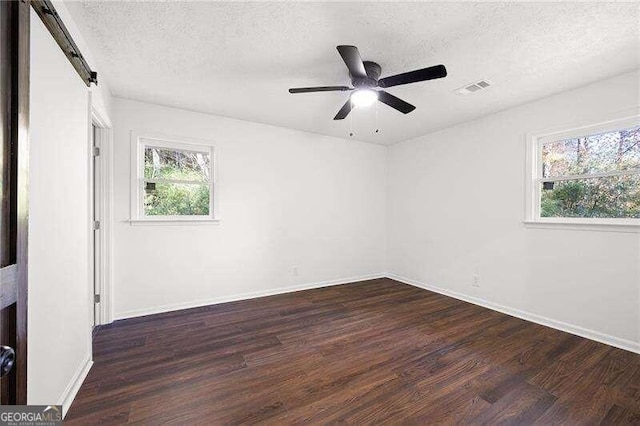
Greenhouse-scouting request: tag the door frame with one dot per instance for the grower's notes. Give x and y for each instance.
(101, 209)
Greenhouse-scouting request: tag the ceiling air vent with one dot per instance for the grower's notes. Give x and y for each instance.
(474, 87)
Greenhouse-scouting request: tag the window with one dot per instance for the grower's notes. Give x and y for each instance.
(174, 180)
(589, 175)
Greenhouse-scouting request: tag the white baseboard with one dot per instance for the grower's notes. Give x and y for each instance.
(538, 319)
(243, 296)
(74, 385)
(548, 322)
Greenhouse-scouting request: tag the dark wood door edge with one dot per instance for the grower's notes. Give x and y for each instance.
(14, 118)
(21, 137)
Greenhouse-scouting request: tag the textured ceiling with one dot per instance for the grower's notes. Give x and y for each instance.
(238, 59)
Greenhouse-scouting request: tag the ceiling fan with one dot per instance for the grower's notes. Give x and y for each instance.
(365, 78)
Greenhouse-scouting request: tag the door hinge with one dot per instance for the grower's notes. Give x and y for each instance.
(96, 298)
(96, 225)
(96, 151)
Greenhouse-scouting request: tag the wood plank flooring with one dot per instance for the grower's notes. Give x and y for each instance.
(374, 352)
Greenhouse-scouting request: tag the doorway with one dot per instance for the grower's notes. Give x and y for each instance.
(99, 221)
(95, 266)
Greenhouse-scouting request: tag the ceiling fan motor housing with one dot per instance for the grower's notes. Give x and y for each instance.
(373, 74)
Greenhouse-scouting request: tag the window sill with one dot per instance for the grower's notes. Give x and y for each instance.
(585, 226)
(173, 222)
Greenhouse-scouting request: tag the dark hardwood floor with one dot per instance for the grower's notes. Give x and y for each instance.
(371, 352)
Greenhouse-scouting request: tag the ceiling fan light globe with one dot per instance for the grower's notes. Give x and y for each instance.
(364, 97)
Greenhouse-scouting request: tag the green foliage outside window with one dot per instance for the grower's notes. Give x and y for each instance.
(176, 182)
(609, 196)
(177, 200)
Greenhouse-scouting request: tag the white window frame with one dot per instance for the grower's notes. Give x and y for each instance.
(139, 141)
(534, 178)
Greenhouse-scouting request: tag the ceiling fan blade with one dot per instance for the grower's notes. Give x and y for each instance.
(320, 89)
(352, 59)
(395, 103)
(438, 71)
(344, 111)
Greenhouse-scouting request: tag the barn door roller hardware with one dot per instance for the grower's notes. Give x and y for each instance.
(49, 16)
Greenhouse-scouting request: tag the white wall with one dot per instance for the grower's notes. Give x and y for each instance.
(456, 208)
(59, 322)
(286, 198)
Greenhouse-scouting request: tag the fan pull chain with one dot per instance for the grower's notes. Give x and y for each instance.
(377, 127)
(351, 120)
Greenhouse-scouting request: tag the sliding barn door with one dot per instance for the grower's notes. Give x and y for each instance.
(14, 117)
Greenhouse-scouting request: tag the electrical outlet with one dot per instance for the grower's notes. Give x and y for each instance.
(475, 280)
(294, 271)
